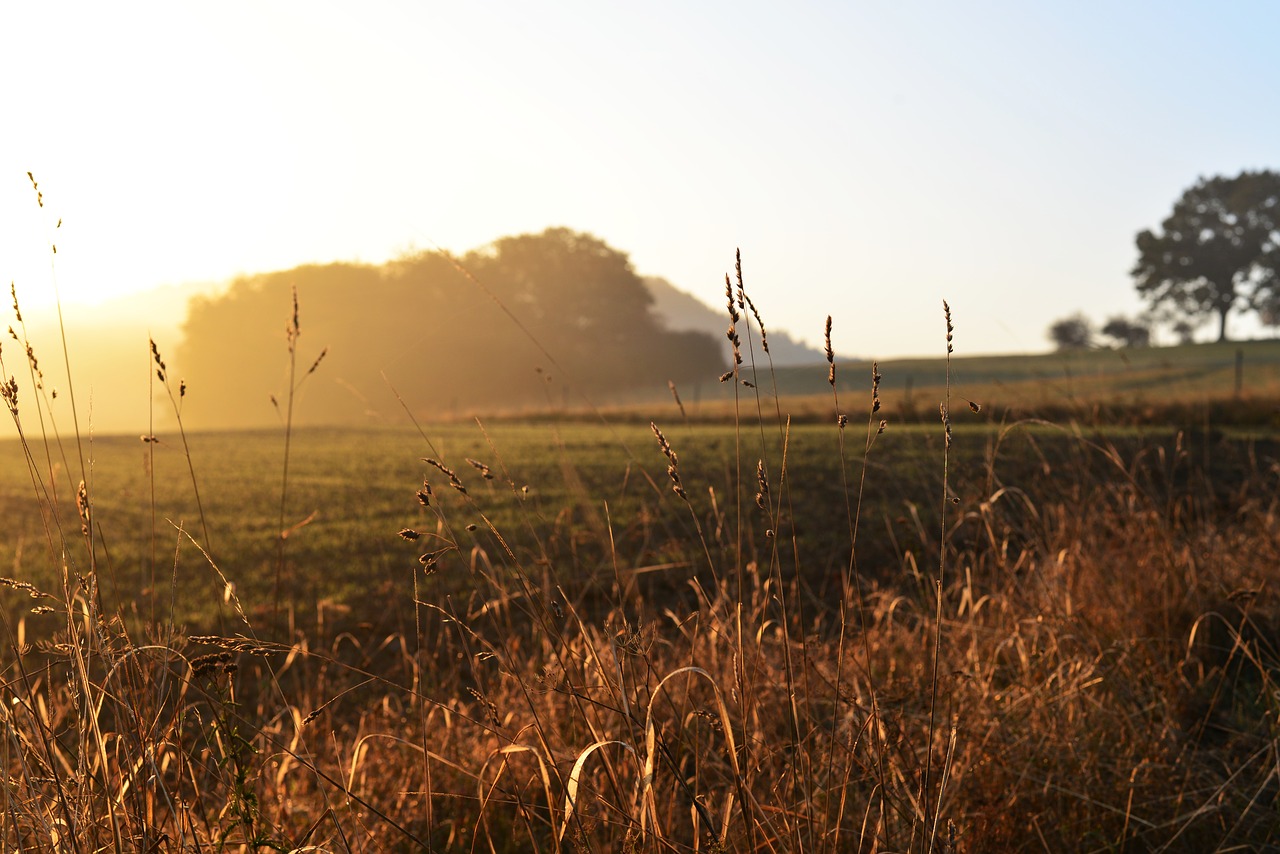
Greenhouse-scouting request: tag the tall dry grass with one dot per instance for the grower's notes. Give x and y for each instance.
(1071, 647)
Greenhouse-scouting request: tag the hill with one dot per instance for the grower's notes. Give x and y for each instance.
(681, 311)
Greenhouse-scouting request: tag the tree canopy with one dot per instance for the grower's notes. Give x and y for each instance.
(1071, 333)
(1127, 333)
(523, 322)
(1217, 252)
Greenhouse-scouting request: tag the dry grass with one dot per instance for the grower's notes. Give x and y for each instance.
(1079, 656)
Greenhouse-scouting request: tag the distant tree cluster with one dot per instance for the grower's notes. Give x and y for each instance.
(511, 325)
(1127, 333)
(1077, 332)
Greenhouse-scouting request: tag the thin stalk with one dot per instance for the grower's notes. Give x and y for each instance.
(945, 412)
(774, 511)
(292, 332)
(852, 581)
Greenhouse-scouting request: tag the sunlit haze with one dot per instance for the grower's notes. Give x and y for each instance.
(870, 159)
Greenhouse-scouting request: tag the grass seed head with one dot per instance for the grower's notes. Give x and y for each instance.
(764, 335)
(447, 472)
(762, 480)
(29, 589)
(317, 362)
(213, 663)
(875, 387)
(676, 395)
(430, 559)
(673, 469)
(831, 354)
(734, 317)
(36, 187)
(490, 706)
(294, 329)
(161, 370)
(82, 507)
(484, 470)
(9, 391)
(732, 335)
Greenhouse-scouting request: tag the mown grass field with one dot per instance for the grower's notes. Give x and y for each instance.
(990, 635)
(555, 491)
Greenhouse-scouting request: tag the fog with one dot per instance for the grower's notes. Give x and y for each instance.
(112, 377)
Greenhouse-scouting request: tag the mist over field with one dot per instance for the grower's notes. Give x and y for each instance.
(450, 337)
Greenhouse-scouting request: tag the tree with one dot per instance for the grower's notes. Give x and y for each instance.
(1186, 331)
(1219, 249)
(1127, 333)
(526, 321)
(1072, 333)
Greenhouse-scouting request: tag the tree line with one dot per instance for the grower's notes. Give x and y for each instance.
(527, 321)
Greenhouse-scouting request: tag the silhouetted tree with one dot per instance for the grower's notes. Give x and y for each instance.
(1127, 333)
(1219, 249)
(1072, 333)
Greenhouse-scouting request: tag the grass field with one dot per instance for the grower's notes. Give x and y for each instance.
(977, 634)
(1147, 386)
(556, 491)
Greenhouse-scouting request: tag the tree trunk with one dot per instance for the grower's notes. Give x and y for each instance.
(1222, 324)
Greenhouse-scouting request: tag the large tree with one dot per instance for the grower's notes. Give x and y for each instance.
(1219, 250)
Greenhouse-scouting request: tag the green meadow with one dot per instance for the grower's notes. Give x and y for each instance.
(551, 491)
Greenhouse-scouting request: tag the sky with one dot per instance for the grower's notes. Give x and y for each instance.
(870, 159)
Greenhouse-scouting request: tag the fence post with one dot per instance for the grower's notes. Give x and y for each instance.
(1239, 371)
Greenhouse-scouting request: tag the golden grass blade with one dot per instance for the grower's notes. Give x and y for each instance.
(650, 742)
(575, 777)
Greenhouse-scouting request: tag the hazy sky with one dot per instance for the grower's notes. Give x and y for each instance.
(869, 158)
